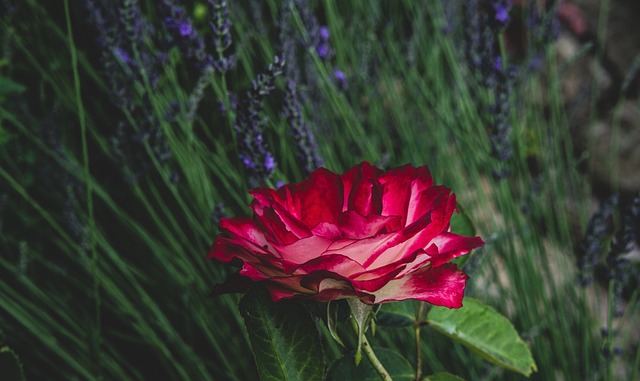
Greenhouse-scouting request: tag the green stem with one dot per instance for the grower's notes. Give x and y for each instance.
(608, 342)
(377, 365)
(417, 327)
(371, 355)
(89, 189)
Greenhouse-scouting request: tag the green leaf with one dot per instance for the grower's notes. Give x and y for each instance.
(461, 224)
(361, 314)
(397, 314)
(443, 376)
(10, 366)
(397, 366)
(486, 332)
(286, 343)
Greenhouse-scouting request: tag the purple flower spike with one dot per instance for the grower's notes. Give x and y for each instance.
(269, 163)
(497, 64)
(185, 28)
(502, 15)
(323, 32)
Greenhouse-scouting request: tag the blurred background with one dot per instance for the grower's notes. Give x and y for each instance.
(129, 128)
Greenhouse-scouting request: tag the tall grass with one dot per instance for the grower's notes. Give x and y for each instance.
(102, 266)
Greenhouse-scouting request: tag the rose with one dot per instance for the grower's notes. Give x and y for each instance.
(368, 234)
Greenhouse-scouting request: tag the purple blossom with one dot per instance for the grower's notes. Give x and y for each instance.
(502, 14)
(122, 55)
(341, 78)
(182, 34)
(119, 30)
(306, 149)
(323, 33)
(249, 125)
(497, 64)
(220, 28)
(323, 50)
(269, 162)
(185, 28)
(501, 8)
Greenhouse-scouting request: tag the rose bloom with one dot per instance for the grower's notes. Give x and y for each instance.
(368, 234)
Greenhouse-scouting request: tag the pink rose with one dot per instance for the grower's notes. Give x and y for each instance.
(373, 235)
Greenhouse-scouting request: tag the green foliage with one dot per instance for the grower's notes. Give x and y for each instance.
(486, 332)
(9, 87)
(345, 368)
(284, 338)
(443, 376)
(397, 314)
(104, 272)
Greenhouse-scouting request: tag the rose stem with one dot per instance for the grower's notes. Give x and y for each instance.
(377, 365)
(417, 326)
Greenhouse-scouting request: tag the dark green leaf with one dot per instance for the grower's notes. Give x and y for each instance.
(7, 86)
(397, 314)
(443, 376)
(345, 369)
(486, 332)
(286, 344)
(10, 367)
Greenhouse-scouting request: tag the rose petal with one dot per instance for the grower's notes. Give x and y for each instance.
(317, 199)
(426, 201)
(318, 285)
(366, 192)
(355, 226)
(301, 251)
(257, 271)
(374, 284)
(418, 235)
(327, 230)
(442, 286)
(243, 227)
(334, 263)
(331, 288)
(351, 182)
(396, 185)
(447, 246)
(278, 230)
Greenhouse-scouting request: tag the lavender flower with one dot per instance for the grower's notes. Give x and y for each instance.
(190, 42)
(341, 79)
(501, 9)
(486, 65)
(130, 62)
(294, 47)
(220, 27)
(616, 262)
(591, 245)
(323, 49)
(249, 125)
(306, 149)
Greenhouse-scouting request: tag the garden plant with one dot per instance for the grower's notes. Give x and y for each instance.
(308, 190)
